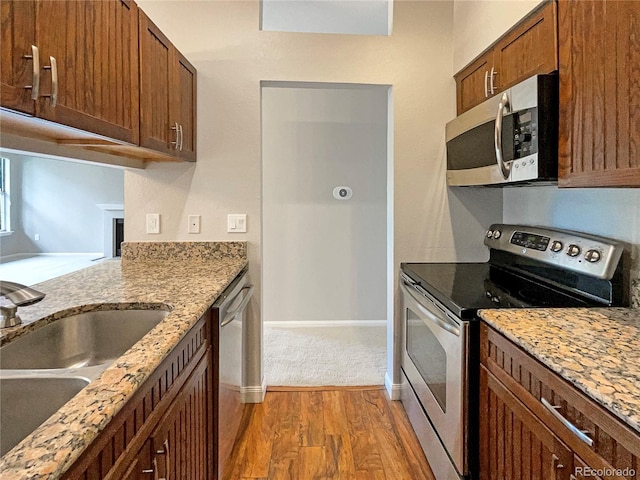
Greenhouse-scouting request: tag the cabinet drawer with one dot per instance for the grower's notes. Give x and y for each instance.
(615, 446)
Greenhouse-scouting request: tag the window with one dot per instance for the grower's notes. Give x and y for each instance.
(5, 225)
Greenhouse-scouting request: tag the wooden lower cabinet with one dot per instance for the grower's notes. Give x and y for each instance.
(514, 443)
(521, 438)
(183, 441)
(166, 429)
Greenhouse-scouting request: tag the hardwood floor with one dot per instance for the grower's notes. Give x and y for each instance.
(331, 434)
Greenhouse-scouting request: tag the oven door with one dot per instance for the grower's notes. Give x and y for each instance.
(435, 359)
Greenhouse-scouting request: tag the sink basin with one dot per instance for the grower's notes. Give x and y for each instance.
(83, 340)
(26, 402)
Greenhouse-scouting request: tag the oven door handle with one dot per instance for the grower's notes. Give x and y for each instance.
(443, 323)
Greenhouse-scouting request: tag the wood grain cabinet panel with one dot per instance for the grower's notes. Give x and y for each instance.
(88, 63)
(528, 48)
(514, 443)
(599, 133)
(95, 44)
(167, 95)
(615, 447)
(16, 62)
(184, 438)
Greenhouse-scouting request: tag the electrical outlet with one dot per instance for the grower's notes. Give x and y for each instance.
(153, 223)
(194, 224)
(36, 237)
(237, 223)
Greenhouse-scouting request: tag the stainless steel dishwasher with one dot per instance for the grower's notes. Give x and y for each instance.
(229, 315)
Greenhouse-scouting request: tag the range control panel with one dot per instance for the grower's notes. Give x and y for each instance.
(581, 252)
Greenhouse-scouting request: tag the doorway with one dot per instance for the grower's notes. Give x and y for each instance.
(326, 210)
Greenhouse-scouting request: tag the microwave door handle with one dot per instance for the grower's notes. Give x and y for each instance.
(445, 323)
(504, 104)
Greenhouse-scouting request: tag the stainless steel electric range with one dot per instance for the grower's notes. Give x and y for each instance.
(528, 267)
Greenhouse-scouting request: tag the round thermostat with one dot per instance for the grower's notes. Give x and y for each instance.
(342, 193)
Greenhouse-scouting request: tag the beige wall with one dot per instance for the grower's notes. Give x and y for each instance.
(478, 23)
(222, 40)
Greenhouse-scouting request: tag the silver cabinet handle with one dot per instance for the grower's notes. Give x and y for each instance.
(35, 76)
(231, 316)
(575, 430)
(181, 135)
(176, 128)
(486, 83)
(497, 137)
(492, 87)
(147, 470)
(555, 462)
(54, 80)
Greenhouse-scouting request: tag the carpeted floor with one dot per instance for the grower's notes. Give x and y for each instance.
(323, 356)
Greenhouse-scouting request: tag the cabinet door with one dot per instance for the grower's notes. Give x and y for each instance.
(183, 91)
(156, 60)
(95, 47)
(529, 49)
(473, 83)
(16, 68)
(141, 467)
(183, 442)
(599, 144)
(514, 444)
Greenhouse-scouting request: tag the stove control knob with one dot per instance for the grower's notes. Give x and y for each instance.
(573, 250)
(592, 256)
(497, 234)
(556, 246)
(489, 233)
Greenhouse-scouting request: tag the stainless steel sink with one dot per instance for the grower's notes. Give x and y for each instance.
(83, 340)
(26, 402)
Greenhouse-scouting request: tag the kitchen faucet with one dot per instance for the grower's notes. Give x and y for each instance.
(12, 296)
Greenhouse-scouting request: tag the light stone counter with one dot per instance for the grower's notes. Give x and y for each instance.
(597, 350)
(184, 278)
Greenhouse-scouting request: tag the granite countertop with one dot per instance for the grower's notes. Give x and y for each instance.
(184, 278)
(597, 350)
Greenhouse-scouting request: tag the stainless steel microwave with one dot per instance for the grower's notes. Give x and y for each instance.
(511, 138)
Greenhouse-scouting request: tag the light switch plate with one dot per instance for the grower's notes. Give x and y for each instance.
(237, 223)
(153, 223)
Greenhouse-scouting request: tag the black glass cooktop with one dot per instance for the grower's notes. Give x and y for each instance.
(464, 288)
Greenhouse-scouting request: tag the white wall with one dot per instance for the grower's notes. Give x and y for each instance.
(314, 138)
(58, 200)
(222, 39)
(479, 23)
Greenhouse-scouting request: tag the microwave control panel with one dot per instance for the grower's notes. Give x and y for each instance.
(525, 132)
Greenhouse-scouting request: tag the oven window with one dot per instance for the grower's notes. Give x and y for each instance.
(428, 356)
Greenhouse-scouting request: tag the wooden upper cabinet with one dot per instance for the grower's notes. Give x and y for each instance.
(167, 95)
(95, 46)
(599, 136)
(472, 83)
(529, 48)
(16, 62)
(86, 67)
(185, 105)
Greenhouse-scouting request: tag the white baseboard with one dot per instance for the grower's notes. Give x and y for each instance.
(393, 389)
(254, 394)
(326, 323)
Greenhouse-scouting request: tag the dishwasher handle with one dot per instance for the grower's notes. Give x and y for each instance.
(231, 316)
